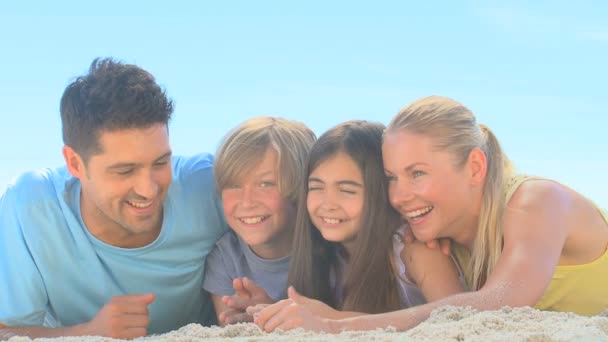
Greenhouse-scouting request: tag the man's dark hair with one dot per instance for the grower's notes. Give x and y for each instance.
(112, 96)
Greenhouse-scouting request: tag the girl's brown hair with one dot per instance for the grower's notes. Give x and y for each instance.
(369, 280)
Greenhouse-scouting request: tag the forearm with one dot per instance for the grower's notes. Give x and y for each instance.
(408, 318)
(37, 331)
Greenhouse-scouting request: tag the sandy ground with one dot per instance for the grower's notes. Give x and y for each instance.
(445, 324)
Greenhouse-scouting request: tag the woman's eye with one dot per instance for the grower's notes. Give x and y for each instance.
(417, 173)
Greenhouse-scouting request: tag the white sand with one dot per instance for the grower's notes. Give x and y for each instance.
(445, 324)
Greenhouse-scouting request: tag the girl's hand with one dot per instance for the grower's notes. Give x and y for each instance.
(295, 312)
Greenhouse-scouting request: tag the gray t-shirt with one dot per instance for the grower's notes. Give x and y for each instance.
(232, 258)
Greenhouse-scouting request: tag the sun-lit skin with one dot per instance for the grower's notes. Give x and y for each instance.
(429, 189)
(335, 199)
(124, 186)
(257, 212)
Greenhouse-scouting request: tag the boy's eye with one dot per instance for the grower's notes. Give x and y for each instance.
(267, 184)
(161, 163)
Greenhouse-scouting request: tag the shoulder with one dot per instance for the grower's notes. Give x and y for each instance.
(184, 166)
(37, 186)
(539, 195)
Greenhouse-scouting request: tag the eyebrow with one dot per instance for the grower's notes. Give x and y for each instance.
(342, 182)
(126, 165)
(413, 165)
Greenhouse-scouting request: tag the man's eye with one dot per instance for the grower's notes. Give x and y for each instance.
(125, 172)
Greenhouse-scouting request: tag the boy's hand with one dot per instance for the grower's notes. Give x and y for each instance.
(247, 293)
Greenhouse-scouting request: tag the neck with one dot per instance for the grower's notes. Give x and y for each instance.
(279, 246)
(465, 231)
(111, 232)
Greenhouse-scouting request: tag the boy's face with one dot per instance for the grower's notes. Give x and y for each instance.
(256, 211)
(124, 186)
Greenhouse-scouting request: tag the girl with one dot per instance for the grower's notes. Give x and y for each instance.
(348, 250)
(527, 241)
(257, 169)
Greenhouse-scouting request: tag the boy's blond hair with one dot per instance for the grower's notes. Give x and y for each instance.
(244, 146)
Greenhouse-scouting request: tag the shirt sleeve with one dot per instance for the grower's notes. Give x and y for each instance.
(23, 298)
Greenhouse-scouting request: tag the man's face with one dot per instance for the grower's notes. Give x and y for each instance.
(124, 186)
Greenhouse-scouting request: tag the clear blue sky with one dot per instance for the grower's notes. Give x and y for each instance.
(535, 73)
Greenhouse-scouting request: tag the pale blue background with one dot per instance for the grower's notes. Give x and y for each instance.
(536, 74)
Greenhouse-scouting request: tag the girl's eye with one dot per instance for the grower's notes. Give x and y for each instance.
(266, 184)
(313, 188)
(391, 178)
(350, 192)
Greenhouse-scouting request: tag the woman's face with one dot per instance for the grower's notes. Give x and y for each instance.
(426, 186)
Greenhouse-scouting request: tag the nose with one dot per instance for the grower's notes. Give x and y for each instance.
(146, 185)
(248, 196)
(329, 200)
(400, 192)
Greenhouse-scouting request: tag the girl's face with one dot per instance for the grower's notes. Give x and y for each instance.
(256, 211)
(426, 186)
(335, 198)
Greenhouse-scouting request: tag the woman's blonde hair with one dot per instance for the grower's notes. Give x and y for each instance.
(453, 128)
(244, 146)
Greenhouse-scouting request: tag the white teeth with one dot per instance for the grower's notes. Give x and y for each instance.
(331, 220)
(140, 205)
(416, 213)
(252, 220)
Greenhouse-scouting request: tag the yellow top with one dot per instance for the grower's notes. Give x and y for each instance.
(582, 289)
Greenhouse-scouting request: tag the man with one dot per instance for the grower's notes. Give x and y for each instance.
(113, 244)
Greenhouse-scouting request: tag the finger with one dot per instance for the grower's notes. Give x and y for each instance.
(267, 313)
(295, 296)
(283, 316)
(239, 289)
(132, 333)
(289, 325)
(408, 236)
(431, 244)
(239, 303)
(251, 286)
(136, 299)
(446, 246)
(222, 316)
(132, 321)
(256, 308)
(240, 317)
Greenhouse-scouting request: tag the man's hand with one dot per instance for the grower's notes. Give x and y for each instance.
(445, 244)
(123, 317)
(246, 293)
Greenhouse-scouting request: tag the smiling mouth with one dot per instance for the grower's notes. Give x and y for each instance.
(331, 220)
(415, 214)
(140, 205)
(253, 219)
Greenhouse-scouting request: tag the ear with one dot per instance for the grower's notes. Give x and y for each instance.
(74, 162)
(477, 166)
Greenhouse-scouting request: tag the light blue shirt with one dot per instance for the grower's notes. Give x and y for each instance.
(53, 272)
